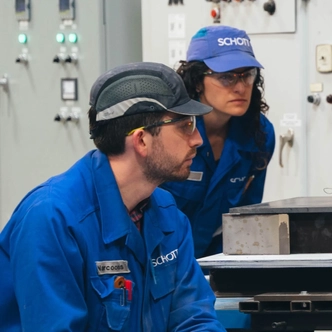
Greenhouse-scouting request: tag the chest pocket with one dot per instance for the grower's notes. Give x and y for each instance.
(235, 192)
(115, 301)
(164, 280)
(237, 183)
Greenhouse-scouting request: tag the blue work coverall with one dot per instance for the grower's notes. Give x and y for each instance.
(71, 237)
(214, 187)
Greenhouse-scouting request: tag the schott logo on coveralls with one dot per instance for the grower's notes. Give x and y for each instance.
(233, 180)
(233, 41)
(165, 258)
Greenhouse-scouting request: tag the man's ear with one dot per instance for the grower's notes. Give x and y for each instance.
(140, 139)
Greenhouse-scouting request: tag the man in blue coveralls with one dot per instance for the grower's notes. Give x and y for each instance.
(99, 247)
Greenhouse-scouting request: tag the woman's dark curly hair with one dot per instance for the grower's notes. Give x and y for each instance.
(193, 75)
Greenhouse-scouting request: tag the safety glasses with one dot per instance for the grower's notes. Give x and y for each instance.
(186, 124)
(231, 78)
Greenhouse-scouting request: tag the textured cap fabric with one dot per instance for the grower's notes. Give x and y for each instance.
(222, 48)
(142, 87)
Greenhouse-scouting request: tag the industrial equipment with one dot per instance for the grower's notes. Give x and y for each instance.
(275, 292)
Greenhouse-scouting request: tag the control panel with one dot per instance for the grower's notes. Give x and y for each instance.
(255, 16)
(52, 52)
(67, 57)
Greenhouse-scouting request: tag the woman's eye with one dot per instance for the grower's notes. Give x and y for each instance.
(227, 77)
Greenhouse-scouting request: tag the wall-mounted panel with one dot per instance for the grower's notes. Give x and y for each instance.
(43, 109)
(258, 16)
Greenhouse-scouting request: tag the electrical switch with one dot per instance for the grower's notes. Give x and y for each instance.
(62, 115)
(324, 58)
(59, 58)
(73, 116)
(22, 58)
(72, 58)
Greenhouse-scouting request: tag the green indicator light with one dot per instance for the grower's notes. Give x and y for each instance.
(22, 38)
(72, 37)
(60, 37)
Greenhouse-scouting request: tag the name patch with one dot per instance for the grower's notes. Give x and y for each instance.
(112, 267)
(195, 176)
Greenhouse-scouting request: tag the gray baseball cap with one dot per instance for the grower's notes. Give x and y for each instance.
(142, 87)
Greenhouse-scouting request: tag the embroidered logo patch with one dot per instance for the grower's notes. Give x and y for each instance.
(173, 255)
(112, 267)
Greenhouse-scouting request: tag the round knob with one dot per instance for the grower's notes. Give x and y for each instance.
(57, 118)
(314, 99)
(18, 60)
(310, 99)
(270, 7)
(68, 59)
(56, 59)
(329, 99)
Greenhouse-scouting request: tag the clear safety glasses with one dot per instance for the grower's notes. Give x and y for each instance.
(231, 78)
(186, 124)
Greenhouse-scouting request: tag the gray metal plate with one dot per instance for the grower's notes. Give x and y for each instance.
(290, 205)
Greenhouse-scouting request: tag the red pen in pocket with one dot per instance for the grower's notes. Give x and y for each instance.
(129, 287)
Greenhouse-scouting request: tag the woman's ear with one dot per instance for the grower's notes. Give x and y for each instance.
(199, 88)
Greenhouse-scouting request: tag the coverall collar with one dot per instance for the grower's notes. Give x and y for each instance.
(239, 139)
(112, 208)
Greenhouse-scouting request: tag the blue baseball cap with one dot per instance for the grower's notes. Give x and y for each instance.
(222, 48)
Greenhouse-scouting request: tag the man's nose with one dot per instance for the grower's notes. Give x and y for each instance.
(195, 139)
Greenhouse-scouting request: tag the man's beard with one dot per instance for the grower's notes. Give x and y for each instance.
(163, 167)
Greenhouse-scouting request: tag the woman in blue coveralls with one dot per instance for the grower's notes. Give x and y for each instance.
(238, 140)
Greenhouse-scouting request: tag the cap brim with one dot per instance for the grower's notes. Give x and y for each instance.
(191, 107)
(232, 60)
